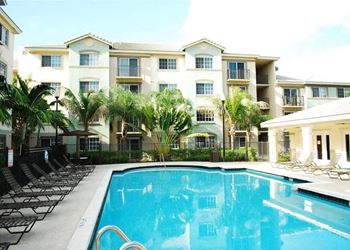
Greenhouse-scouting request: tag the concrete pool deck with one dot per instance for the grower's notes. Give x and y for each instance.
(70, 223)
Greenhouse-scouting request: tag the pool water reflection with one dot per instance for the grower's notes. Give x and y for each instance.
(189, 208)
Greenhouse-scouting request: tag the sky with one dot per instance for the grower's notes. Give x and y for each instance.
(311, 38)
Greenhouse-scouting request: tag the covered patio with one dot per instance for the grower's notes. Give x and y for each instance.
(323, 131)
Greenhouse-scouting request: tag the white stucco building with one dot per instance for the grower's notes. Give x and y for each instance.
(202, 70)
(322, 131)
(8, 30)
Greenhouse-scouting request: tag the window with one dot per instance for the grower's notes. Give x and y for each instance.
(204, 88)
(240, 141)
(207, 202)
(207, 229)
(4, 35)
(231, 88)
(49, 141)
(205, 115)
(135, 88)
(204, 142)
(2, 141)
(167, 63)
(175, 144)
(288, 112)
(55, 85)
(320, 92)
(291, 96)
(51, 61)
(347, 146)
(89, 58)
(92, 144)
(236, 70)
(86, 86)
(3, 69)
(343, 92)
(204, 62)
(129, 67)
(169, 86)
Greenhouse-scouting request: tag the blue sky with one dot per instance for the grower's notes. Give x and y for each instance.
(55, 21)
(312, 38)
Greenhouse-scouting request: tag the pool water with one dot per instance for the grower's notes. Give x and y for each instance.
(195, 208)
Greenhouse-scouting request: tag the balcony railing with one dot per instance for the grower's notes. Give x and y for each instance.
(264, 99)
(264, 102)
(262, 79)
(293, 101)
(240, 74)
(129, 71)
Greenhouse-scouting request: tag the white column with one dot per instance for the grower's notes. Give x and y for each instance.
(306, 135)
(273, 154)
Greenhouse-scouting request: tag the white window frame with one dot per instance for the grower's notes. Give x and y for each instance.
(208, 142)
(127, 86)
(344, 90)
(206, 64)
(4, 35)
(205, 115)
(55, 61)
(91, 85)
(319, 92)
(92, 145)
(93, 58)
(170, 86)
(208, 88)
(55, 85)
(170, 64)
(3, 69)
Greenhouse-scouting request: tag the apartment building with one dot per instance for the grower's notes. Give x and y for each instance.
(202, 70)
(8, 30)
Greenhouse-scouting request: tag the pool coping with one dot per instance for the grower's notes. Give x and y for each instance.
(82, 236)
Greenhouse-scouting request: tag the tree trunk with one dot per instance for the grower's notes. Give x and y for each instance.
(247, 144)
(38, 137)
(23, 137)
(232, 135)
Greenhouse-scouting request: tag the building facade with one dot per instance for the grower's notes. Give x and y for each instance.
(201, 70)
(8, 30)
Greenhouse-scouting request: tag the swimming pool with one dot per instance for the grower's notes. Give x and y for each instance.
(194, 208)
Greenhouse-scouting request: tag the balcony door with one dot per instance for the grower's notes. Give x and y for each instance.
(291, 96)
(322, 141)
(128, 67)
(236, 70)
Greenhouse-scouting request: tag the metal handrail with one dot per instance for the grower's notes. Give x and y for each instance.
(121, 234)
(133, 244)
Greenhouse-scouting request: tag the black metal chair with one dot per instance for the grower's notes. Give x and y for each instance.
(21, 192)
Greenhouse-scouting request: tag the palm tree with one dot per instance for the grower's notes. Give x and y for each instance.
(86, 107)
(122, 106)
(27, 109)
(168, 115)
(6, 101)
(234, 110)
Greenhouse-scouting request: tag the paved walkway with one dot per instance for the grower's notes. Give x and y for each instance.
(55, 231)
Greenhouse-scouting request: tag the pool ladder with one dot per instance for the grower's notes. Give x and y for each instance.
(128, 243)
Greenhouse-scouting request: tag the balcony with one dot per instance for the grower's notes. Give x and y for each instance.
(262, 79)
(131, 130)
(293, 101)
(129, 74)
(264, 103)
(240, 75)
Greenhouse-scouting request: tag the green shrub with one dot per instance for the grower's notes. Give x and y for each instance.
(238, 154)
(283, 157)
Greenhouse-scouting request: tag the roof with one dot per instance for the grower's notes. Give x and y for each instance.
(144, 46)
(203, 40)
(10, 22)
(3, 2)
(88, 35)
(338, 110)
(286, 78)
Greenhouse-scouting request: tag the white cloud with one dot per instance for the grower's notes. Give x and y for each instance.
(269, 27)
